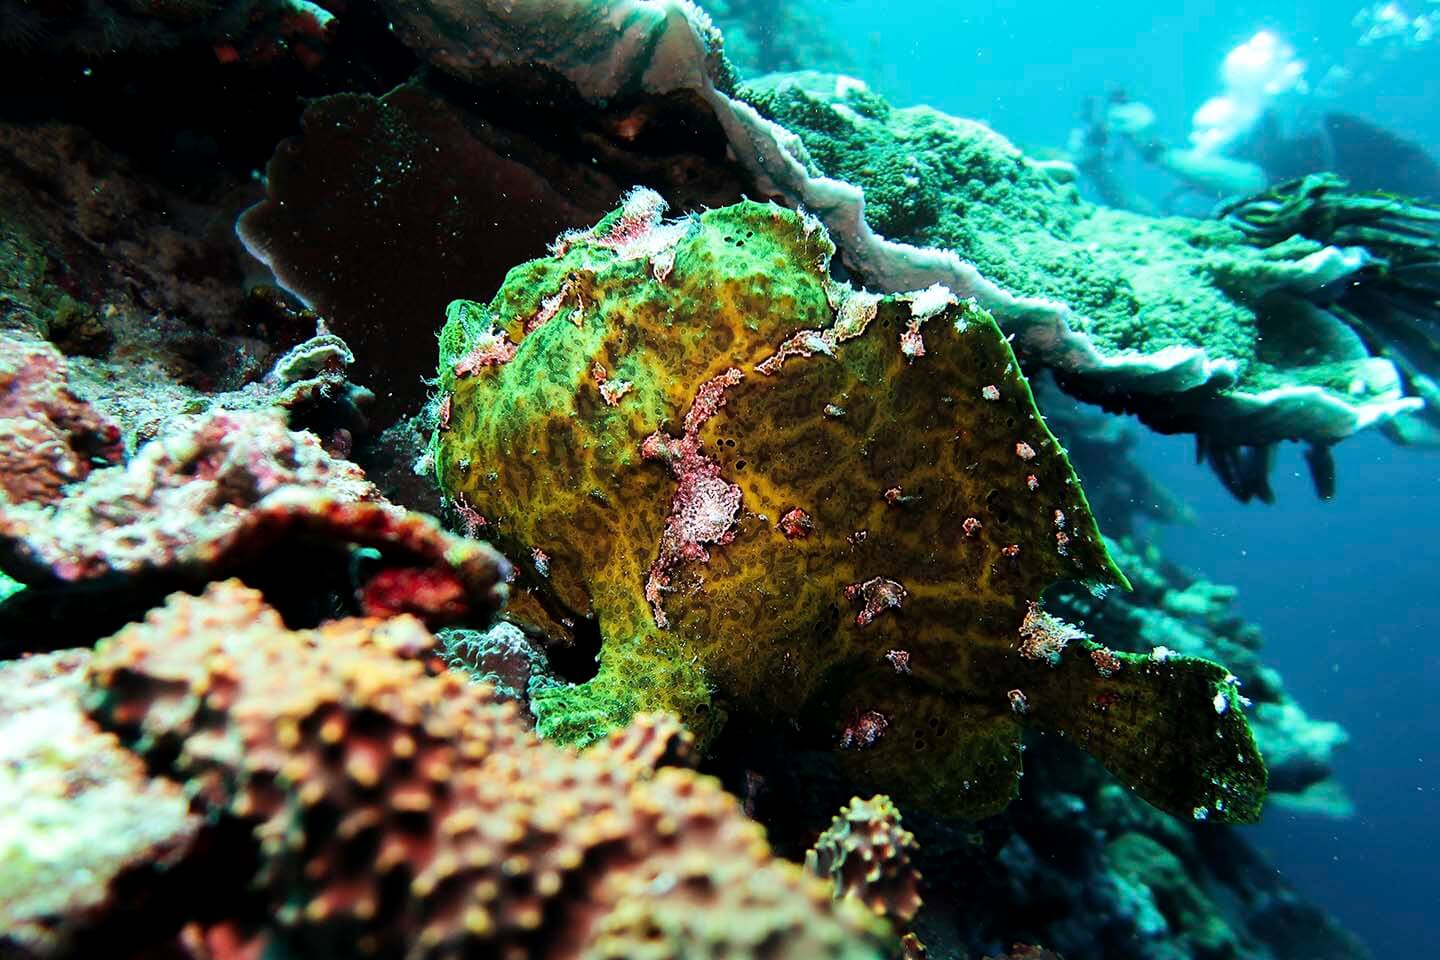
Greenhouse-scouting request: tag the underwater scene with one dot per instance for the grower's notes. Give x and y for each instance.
(739, 479)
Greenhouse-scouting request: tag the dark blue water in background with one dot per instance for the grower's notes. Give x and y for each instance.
(1347, 592)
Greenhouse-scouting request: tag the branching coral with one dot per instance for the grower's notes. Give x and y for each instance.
(893, 423)
(401, 813)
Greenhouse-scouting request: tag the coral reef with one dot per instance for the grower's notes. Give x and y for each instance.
(1164, 898)
(80, 811)
(53, 438)
(443, 141)
(865, 853)
(227, 492)
(101, 257)
(657, 515)
(404, 814)
(307, 384)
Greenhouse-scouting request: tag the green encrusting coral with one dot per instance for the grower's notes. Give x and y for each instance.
(1135, 283)
(775, 495)
(944, 181)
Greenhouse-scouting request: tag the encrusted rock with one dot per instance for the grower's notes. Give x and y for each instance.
(48, 436)
(400, 813)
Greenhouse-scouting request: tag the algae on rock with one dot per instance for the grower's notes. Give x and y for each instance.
(763, 487)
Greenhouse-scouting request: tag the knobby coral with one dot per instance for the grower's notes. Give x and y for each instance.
(938, 505)
(865, 853)
(403, 813)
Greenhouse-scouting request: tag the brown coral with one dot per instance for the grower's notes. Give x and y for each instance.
(651, 741)
(865, 853)
(48, 436)
(401, 813)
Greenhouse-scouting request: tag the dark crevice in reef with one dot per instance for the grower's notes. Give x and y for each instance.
(578, 660)
(209, 887)
(312, 583)
(188, 118)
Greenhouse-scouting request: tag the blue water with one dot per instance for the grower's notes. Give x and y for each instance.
(1345, 591)
(1345, 594)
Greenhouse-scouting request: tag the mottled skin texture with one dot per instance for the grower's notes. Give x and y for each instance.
(765, 626)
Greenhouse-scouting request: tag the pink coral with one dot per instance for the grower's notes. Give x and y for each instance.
(48, 436)
(219, 491)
